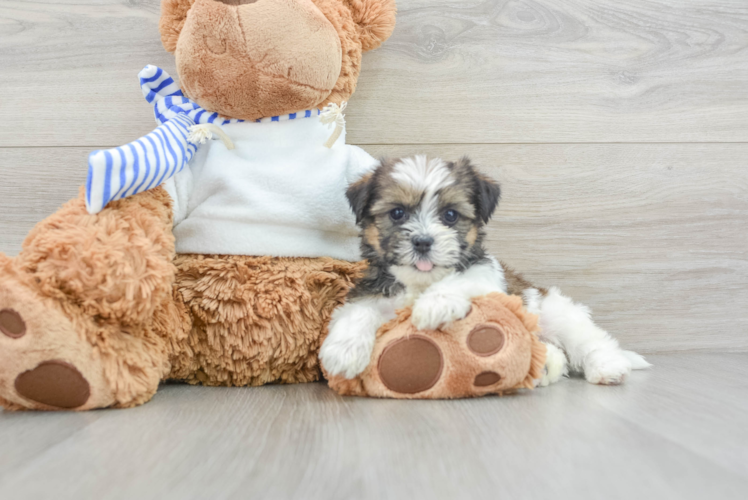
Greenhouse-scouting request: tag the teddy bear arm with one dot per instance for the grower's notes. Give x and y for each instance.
(87, 314)
(115, 265)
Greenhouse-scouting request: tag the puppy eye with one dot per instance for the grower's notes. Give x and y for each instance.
(450, 216)
(397, 213)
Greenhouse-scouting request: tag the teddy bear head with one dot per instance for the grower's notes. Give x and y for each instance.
(250, 59)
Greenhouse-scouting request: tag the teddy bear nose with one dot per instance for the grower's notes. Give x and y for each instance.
(422, 244)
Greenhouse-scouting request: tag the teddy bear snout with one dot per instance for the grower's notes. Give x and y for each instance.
(252, 60)
(215, 45)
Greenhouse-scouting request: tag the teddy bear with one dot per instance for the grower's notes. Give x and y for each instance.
(493, 350)
(214, 249)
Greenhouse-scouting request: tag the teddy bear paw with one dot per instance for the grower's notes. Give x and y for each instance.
(433, 310)
(44, 363)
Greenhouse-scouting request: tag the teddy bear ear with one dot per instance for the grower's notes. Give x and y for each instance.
(375, 20)
(173, 15)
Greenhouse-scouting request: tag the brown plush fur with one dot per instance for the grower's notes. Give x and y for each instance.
(106, 293)
(95, 291)
(519, 362)
(256, 320)
(173, 16)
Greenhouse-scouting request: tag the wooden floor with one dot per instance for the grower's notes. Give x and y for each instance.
(677, 431)
(619, 131)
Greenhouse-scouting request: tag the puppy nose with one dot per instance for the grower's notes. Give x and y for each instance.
(422, 244)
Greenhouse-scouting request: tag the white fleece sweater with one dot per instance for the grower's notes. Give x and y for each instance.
(279, 192)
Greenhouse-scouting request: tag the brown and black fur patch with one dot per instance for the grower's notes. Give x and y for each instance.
(484, 192)
(516, 283)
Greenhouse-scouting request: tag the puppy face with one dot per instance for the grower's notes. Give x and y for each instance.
(422, 218)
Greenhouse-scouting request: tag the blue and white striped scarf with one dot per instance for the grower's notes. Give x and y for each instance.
(116, 173)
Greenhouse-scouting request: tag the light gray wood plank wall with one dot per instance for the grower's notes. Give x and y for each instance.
(509, 71)
(454, 71)
(618, 129)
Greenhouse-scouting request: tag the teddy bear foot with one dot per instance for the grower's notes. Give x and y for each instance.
(494, 349)
(45, 364)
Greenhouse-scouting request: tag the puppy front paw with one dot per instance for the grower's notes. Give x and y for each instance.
(433, 310)
(606, 366)
(556, 366)
(347, 359)
(347, 350)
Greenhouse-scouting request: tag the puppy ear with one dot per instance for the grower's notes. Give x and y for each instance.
(375, 20)
(487, 194)
(486, 191)
(173, 15)
(359, 196)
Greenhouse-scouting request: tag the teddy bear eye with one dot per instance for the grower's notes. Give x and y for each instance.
(397, 213)
(450, 216)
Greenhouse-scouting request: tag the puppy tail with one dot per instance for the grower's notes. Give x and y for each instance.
(637, 360)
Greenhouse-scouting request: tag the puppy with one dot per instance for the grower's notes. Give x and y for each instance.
(422, 227)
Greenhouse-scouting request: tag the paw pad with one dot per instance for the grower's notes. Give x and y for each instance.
(411, 365)
(12, 324)
(484, 379)
(54, 383)
(486, 340)
(414, 364)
